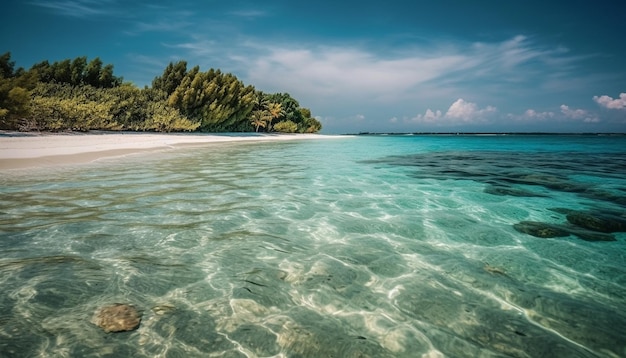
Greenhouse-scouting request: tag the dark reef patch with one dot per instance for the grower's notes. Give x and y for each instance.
(542, 230)
(546, 230)
(507, 190)
(598, 221)
(507, 173)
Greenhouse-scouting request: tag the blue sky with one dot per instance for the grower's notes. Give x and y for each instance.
(387, 66)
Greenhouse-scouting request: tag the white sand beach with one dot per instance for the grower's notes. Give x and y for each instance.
(40, 150)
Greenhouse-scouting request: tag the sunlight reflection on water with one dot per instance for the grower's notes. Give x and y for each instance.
(338, 251)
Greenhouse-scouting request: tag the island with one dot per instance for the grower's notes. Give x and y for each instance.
(81, 95)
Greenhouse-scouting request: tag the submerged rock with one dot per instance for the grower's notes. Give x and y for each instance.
(592, 235)
(545, 230)
(539, 229)
(117, 318)
(597, 221)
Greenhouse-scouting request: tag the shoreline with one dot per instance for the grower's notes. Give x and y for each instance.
(21, 151)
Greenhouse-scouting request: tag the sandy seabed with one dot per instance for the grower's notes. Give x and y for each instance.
(41, 150)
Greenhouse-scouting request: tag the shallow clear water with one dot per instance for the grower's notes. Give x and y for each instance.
(399, 246)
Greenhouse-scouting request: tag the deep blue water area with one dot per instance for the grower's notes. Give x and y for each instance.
(354, 246)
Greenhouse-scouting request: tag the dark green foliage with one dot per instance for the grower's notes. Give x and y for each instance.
(259, 118)
(107, 79)
(92, 72)
(55, 113)
(14, 104)
(289, 106)
(130, 107)
(260, 101)
(44, 71)
(60, 106)
(311, 125)
(220, 102)
(83, 95)
(6, 65)
(77, 72)
(291, 111)
(286, 127)
(126, 107)
(171, 78)
(63, 72)
(163, 118)
(15, 89)
(17, 101)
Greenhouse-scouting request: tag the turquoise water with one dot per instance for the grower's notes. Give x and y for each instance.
(382, 246)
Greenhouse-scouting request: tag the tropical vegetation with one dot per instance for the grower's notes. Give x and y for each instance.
(83, 95)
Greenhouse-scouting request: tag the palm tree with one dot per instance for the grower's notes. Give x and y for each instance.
(275, 111)
(260, 118)
(259, 101)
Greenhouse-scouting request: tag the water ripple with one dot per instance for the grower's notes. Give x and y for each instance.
(312, 249)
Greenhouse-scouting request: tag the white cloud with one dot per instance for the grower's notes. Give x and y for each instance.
(249, 13)
(158, 26)
(199, 48)
(332, 71)
(520, 60)
(329, 77)
(532, 115)
(468, 111)
(335, 79)
(516, 51)
(78, 8)
(460, 111)
(578, 114)
(573, 113)
(431, 116)
(428, 117)
(610, 103)
(566, 114)
(332, 78)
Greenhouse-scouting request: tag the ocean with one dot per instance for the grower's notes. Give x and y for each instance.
(356, 246)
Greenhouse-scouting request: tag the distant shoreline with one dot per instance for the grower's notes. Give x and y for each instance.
(30, 150)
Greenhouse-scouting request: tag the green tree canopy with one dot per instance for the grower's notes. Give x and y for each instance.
(77, 72)
(15, 87)
(6, 65)
(171, 78)
(80, 94)
(77, 69)
(260, 118)
(220, 102)
(286, 127)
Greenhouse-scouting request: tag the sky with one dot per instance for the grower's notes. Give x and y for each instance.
(362, 66)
